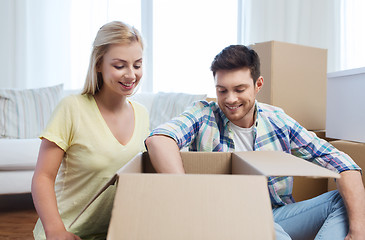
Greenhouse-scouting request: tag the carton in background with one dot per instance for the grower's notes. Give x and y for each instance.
(222, 196)
(295, 79)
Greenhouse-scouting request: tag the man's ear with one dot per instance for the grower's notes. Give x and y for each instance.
(259, 83)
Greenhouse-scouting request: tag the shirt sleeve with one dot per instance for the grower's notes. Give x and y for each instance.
(306, 145)
(183, 128)
(61, 125)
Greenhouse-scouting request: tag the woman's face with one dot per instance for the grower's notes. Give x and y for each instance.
(121, 68)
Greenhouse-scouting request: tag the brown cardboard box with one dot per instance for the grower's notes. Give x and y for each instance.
(306, 188)
(222, 196)
(295, 79)
(356, 151)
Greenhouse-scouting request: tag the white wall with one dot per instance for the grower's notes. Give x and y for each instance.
(31, 43)
(7, 45)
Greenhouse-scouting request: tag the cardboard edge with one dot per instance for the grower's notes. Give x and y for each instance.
(255, 160)
(110, 182)
(240, 166)
(134, 165)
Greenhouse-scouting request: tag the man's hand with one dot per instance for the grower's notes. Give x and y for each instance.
(353, 193)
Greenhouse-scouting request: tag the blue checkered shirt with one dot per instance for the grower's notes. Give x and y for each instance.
(204, 127)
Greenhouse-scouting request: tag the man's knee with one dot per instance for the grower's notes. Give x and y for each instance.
(280, 233)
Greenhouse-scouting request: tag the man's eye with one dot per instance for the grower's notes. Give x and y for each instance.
(240, 90)
(221, 91)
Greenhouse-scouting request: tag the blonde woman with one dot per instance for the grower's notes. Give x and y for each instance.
(89, 137)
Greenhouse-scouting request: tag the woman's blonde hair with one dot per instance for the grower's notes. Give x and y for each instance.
(115, 32)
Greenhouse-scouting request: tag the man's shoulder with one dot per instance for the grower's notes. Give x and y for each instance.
(205, 106)
(269, 109)
(274, 114)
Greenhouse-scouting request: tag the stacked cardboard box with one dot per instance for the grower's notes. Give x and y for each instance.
(355, 150)
(295, 79)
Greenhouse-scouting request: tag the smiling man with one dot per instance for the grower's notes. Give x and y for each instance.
(237, 122)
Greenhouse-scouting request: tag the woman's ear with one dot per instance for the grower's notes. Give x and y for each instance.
(98, 65)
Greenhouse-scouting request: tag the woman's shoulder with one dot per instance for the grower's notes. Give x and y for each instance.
(139, 107)
(77, 98)
(77, 102)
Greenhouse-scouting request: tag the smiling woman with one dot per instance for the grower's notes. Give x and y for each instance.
(89, 137)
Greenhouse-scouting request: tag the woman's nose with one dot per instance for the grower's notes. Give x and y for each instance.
(130, 73)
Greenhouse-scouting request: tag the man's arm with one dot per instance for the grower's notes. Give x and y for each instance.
(351, 187)
(164, 154)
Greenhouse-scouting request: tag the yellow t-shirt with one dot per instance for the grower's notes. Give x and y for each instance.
(92, 156)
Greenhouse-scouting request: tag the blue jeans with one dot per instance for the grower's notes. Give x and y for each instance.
(322, 217)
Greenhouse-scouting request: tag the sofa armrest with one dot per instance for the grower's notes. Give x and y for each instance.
(19, 154)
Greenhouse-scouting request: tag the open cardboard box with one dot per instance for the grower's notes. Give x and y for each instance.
(222, 196)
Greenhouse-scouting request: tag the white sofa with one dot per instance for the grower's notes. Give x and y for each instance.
(19, 152)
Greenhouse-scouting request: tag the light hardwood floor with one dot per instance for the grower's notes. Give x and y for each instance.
(17, 217)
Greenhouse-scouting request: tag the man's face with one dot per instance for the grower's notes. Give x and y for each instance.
(236, 94)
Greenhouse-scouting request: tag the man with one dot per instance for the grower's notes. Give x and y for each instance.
(237, 122)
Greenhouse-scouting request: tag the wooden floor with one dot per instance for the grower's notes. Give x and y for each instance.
(17, 217)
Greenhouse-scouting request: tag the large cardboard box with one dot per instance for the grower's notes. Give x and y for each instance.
(222, 196)
(295, 79)
(345, 105)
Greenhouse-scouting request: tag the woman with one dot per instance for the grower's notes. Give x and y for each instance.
(89, 137)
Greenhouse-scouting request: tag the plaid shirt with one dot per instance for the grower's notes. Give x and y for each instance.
(204, 127)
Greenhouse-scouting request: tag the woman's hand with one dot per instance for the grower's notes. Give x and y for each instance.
(62, 235)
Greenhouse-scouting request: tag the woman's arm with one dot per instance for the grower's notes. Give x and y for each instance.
(44, 197)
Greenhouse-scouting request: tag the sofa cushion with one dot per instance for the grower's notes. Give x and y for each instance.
(25, 112)
(169, 105)
(19, 154)
(146, 99)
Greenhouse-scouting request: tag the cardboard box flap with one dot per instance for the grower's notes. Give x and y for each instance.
(168, 206)
(135, 165)
(110, 182)
(276, 163)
